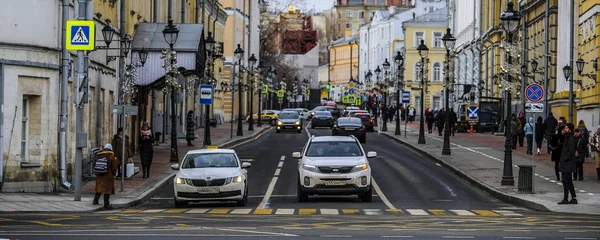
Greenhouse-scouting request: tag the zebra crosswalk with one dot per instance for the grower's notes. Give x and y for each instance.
(324, 211)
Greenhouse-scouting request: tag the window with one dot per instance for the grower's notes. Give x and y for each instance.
(361, 14)
(333, 149)
(371, 2)
(355, 2)
(437, 72)
(24, 128)
(417, 71)
(418, 37)
(436, 102)
(437, 40)
(371, 14)
(348, 25)
(349, 14)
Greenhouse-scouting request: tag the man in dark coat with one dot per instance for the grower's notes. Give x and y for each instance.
(105, 183)
(521, 133)
(440, 120)
(146, 149)
(190, 134)
(117, 144)
(567, 165)
(453, 120)
(429, 118)
(551, 123)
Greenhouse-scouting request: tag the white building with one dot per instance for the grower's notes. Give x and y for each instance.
(383, 37)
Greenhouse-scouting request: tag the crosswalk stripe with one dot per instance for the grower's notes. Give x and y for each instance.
(241, 211)
(507, 213)
(417, 212)
(307, 211)
(350, 211)
(198, 210)
(486, 213)
(219, 211)
(285, 211)
(438, 212)
(175, 210)
(326, 211)
(372, 212)
(153, 210)
(132, 211)
(263, 211)
(463, 212)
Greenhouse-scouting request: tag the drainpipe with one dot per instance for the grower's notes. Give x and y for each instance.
(571, 57)
(152, 92)
(182, 11)
(546, 54)
(523, 60)
(64, 98)
(156, 12)
(1, 125)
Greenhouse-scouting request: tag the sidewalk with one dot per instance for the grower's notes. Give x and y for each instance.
(136, 189)
(479, 158)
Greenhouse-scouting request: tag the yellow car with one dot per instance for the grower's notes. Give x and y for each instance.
(269, 116)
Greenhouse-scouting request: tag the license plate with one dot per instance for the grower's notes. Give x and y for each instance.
(335, 183)
(208, 190)
(349, 129)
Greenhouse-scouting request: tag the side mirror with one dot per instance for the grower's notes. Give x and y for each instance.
(296, 155)
(175, 166)
(246, 165)
(371, 154)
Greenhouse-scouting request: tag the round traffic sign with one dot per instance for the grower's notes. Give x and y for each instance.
(534, 92)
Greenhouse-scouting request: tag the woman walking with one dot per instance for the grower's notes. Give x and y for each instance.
(584, 135)
(146, 149)
(540, 133)
(528, 129)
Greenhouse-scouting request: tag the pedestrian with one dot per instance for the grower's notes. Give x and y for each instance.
(452, 121)
(540, 133)
(595, 145)
(521, 127)
(580, 151)
(551, 125)
(429, 119)
(146, 149)
(567, 165)
(515, 129)
(411, 114)
(190, 134)
(556, 145)
(105, 168)
(117, 144)
(440, 120)
(528, 129)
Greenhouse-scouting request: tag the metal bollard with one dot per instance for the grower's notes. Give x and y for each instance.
(525, 179)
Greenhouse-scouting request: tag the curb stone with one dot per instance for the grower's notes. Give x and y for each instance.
(486, 187)
(148, 193)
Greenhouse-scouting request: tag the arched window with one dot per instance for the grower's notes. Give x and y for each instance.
(437, 75)
(417, 72)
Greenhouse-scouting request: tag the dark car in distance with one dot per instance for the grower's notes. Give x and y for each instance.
(347, 126)
(367, 120)
(336, 113)
(322, 119)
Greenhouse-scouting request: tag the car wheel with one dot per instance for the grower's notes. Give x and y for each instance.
(301, 196)
(276, 131)
(273, 122)
(179, 204)
(244, 201)
(368, 196)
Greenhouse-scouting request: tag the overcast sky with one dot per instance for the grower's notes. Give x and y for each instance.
(319, 5)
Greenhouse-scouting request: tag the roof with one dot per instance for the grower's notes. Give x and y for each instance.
(440, 15)
(333, 139)
(150, 37)
(211, 151)
(345, 40)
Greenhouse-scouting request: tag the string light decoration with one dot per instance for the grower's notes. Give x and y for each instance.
(512, 68)
(170, 65)
(130, 90)
(191, 84)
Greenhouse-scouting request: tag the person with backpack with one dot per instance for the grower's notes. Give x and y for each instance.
(105, 168)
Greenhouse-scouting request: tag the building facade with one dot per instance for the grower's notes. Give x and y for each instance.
(349, 15)
(588, 107)
(343, 55)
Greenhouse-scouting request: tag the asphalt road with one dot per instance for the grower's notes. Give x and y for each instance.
(414, 198)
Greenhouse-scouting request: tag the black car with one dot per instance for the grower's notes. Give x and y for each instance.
(289, 120)
(336, 113)
(322, 119)
(347, 126)
(367, 120)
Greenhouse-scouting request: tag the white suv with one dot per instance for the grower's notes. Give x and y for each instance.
(334, 165)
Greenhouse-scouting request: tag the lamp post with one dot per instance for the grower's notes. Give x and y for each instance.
(210, 43)
(239, 54)
(296, 90)
(399, 60)
(368, 77)
(305, 85)
(170, 33)
(423, 52)
(252, 62)
(386, 67)
(509, 20)
(449, 41)
(377, 74)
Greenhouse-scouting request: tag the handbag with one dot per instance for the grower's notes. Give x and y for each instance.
(130, 168)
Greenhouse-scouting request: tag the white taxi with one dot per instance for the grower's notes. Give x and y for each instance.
(211, 174)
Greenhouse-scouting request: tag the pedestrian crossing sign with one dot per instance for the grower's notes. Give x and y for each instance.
(81, 35)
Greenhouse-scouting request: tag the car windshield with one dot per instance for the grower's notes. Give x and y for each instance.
(288, 115)
(323, 114)
(320, 108)
(362, 116)
(349, 122)
(209, 160)
(333, 149)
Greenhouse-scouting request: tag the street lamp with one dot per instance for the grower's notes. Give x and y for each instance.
(239, 54)
(107, 34)
(252, 62)
(423, 52)
(399, 60)
(377, 74)
(449, 42)
(296, 90)
(170, 34)
(209, 44)
(386, 67)
(509, 20)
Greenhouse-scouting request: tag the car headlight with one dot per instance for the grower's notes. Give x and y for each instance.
(180, 180)
(310, 168)
(280, 123)
(361, 167)
(237, 179)
(312, 113)
(297, 123)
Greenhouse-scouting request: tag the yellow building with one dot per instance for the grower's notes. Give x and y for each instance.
(430, 28)
(589, 52)
(343, 55)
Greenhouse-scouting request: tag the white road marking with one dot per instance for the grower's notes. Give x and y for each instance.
(282, 158)
(284, 211)
(458, 237)
(381, 195)
(198, 210)
(257, 232)
(325, 211)
(518, 237)
(577, 238)
(277, 171)
(463, 212)
(280, 165)
(336, 236)
(417, 212)
(507, 213)
(437, 164)
(241, 211)
(397, 236)
(265, 199)
(372, 212)
(591, 194)
(154, 210)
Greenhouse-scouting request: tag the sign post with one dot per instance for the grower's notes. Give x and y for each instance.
(472, 115)
(534, 94)
(206, 98)
(125, 110)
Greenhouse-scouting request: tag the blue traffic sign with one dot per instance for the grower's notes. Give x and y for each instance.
(472, 113)
(206, 94)
(405, 97)
(345, 93)
(534, 93)
(351, 91)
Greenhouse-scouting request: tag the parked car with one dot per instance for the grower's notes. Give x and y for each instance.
(322, 119)
(347, 126)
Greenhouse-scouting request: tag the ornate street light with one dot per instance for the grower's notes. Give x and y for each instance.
(239, 54)
(399, 60)
(252, 62)
(423, 52)
(386, 67)
(534, 65)
(170, 34)
(449, 42)
(107, 34)
(126, 44)
(210, 43)
(509, 20)
(143, 55)
(580, 64)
